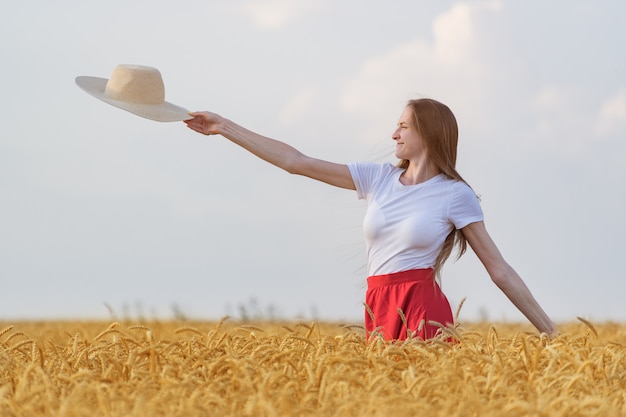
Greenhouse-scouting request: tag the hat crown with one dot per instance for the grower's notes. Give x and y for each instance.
(136, 84)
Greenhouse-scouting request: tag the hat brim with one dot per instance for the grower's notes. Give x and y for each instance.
(166, 112)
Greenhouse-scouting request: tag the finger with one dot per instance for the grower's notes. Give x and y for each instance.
(196, 114)
(195, 121)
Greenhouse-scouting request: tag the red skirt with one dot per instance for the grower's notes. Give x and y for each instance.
(414, 294)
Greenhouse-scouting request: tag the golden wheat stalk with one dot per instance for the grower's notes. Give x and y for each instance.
(589, 325)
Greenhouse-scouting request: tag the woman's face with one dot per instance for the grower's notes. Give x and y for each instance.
(409, 143)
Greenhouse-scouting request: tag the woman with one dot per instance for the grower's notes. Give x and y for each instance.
(417, 211)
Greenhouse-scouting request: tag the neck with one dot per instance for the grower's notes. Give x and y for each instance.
(417, 173)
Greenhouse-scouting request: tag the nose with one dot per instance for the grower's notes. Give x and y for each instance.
(396, 134)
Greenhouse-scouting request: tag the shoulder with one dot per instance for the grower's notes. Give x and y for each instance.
(370, 176)
(458, 189)
(371, 170)
(462, 187)
(462, 194)
(464, 206)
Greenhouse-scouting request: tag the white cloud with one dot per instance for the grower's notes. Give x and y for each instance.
(299, 106)
(567, 122)
(474, 68)
(612, 115)
(276, 14)
(451, 69)
(454, 35)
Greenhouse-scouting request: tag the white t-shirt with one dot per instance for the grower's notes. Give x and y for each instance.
(406, 225)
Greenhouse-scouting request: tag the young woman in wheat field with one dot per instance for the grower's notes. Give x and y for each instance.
(417, 212)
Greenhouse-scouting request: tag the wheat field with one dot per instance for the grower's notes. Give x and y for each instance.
(232, 368)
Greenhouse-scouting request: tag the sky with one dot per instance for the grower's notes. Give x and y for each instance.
(106, 215)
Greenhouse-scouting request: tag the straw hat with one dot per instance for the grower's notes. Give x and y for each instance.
(135, 88)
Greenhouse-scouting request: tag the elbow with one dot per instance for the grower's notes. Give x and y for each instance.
(294, 164)
(502, 276)
(291, 167)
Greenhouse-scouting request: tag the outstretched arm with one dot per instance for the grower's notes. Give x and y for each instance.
(505, 277)
(275, 152)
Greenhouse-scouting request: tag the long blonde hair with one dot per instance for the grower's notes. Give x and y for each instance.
(437, 126)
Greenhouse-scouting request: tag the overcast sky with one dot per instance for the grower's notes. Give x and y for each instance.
(104, 213)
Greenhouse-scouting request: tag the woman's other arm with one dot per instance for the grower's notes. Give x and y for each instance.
(505, 277)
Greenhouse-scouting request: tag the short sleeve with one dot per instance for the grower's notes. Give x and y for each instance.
(464, 206)
(364, 175)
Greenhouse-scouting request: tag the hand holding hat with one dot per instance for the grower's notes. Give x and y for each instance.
(135, 88)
